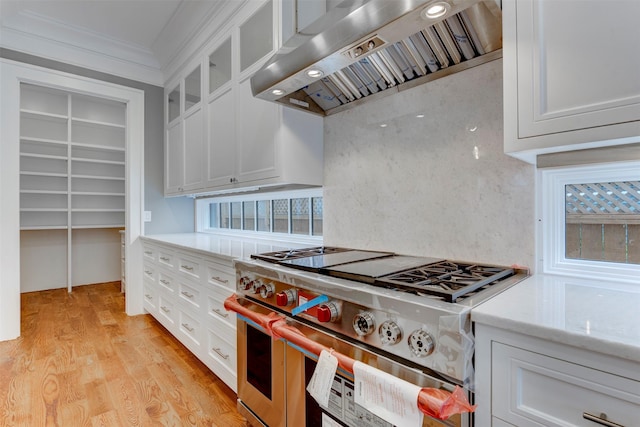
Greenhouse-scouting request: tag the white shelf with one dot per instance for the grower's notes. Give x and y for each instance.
(45, 227)
(43, 209)
(97, 123)
(96, 210)
(43, 192)
(47, 140)
(105, 162)
(43, 115)
(96, 193)
(84, 227)
(43, 156)
(60, 175)
(101, 147)
(110, 178)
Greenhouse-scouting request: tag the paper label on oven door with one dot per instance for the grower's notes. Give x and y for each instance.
(389, 397)
(327, 421)
(320, 384)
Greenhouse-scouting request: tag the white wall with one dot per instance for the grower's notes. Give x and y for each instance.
(415, 187)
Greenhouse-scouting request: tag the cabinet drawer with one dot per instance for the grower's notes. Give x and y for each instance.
(546, 391)
(221, 347)
(166, 312)
(220, 276)
(190, 294)
(149, 271)
(190, 328)
(166, 258)
(166, 281)
(149, 297)
(150, 253)
(189, 266)
(215, 296)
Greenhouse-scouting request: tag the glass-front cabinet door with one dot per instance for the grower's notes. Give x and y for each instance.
(220, 66)
(173, 104)
(192, 86)
(256, 36)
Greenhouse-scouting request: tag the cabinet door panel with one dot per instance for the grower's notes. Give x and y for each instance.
(257, 147)
(221, 153)
(174, 160)
(193, 150)
(575, 66)
(531, 389)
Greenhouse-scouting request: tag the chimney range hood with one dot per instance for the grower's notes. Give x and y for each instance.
(365, 49)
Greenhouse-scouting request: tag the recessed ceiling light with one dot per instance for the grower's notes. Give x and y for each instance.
(384, 125)
(435, 10)
(420, 116)
(314, 73)
(277, 92)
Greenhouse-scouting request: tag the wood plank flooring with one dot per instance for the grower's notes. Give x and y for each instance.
(81, 361)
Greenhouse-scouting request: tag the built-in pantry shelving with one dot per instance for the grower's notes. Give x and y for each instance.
(72, 163)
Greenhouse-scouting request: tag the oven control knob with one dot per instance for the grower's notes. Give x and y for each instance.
(244, 283)
(256, 285)
(266, 291)
(390, 333)
(329, 312)
(364, 323)
(286, 297)
(421, 343)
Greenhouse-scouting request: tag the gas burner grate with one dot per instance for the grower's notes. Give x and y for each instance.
(278, 256)
(447, 280)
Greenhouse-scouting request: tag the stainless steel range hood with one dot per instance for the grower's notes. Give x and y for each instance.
(365, 49)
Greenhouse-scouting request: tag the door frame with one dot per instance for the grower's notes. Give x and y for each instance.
(12, 74)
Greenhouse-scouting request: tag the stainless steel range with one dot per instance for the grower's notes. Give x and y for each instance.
(407, 315)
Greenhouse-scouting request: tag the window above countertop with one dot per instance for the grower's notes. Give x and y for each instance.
(590, 221)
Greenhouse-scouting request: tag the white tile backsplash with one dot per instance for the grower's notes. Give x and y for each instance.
(433, 186)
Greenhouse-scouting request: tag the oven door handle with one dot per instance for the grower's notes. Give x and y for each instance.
(432, 402)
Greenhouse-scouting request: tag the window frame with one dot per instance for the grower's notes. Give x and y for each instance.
(551, 223)
(202, 210)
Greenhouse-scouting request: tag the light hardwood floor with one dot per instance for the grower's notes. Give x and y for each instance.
(81, 361)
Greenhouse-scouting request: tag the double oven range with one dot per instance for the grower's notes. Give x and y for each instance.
(406, 316)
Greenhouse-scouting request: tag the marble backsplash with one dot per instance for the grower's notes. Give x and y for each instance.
(437, 185)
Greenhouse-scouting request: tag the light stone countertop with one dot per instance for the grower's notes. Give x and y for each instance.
(595, 315)
(226, 246)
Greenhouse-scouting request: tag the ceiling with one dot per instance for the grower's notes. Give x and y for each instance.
(138, 39)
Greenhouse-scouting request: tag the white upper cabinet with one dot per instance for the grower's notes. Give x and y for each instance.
(571, 75)
(184, 139)
(233, 140)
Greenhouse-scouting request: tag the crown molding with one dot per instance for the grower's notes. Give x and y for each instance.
(39, 35)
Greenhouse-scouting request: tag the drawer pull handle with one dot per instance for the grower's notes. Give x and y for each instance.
(165, 309)
(165, 282)
(186, 267)
(187, 327)
(220, 312)
(187, 294)
(148, 296)
(602, 419)
(148, 253)
(164, 258)
(220, 279)
(148, 272)
(224, 356)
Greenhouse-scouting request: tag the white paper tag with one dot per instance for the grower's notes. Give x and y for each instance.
(319, 386)
(392, 399)
(327, 421)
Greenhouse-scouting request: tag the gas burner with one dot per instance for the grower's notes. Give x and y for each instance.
(447, 280)
(279, 256)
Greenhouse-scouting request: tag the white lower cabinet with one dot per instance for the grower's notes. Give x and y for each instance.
(543, 390)
(185, 292)
(528, 382)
